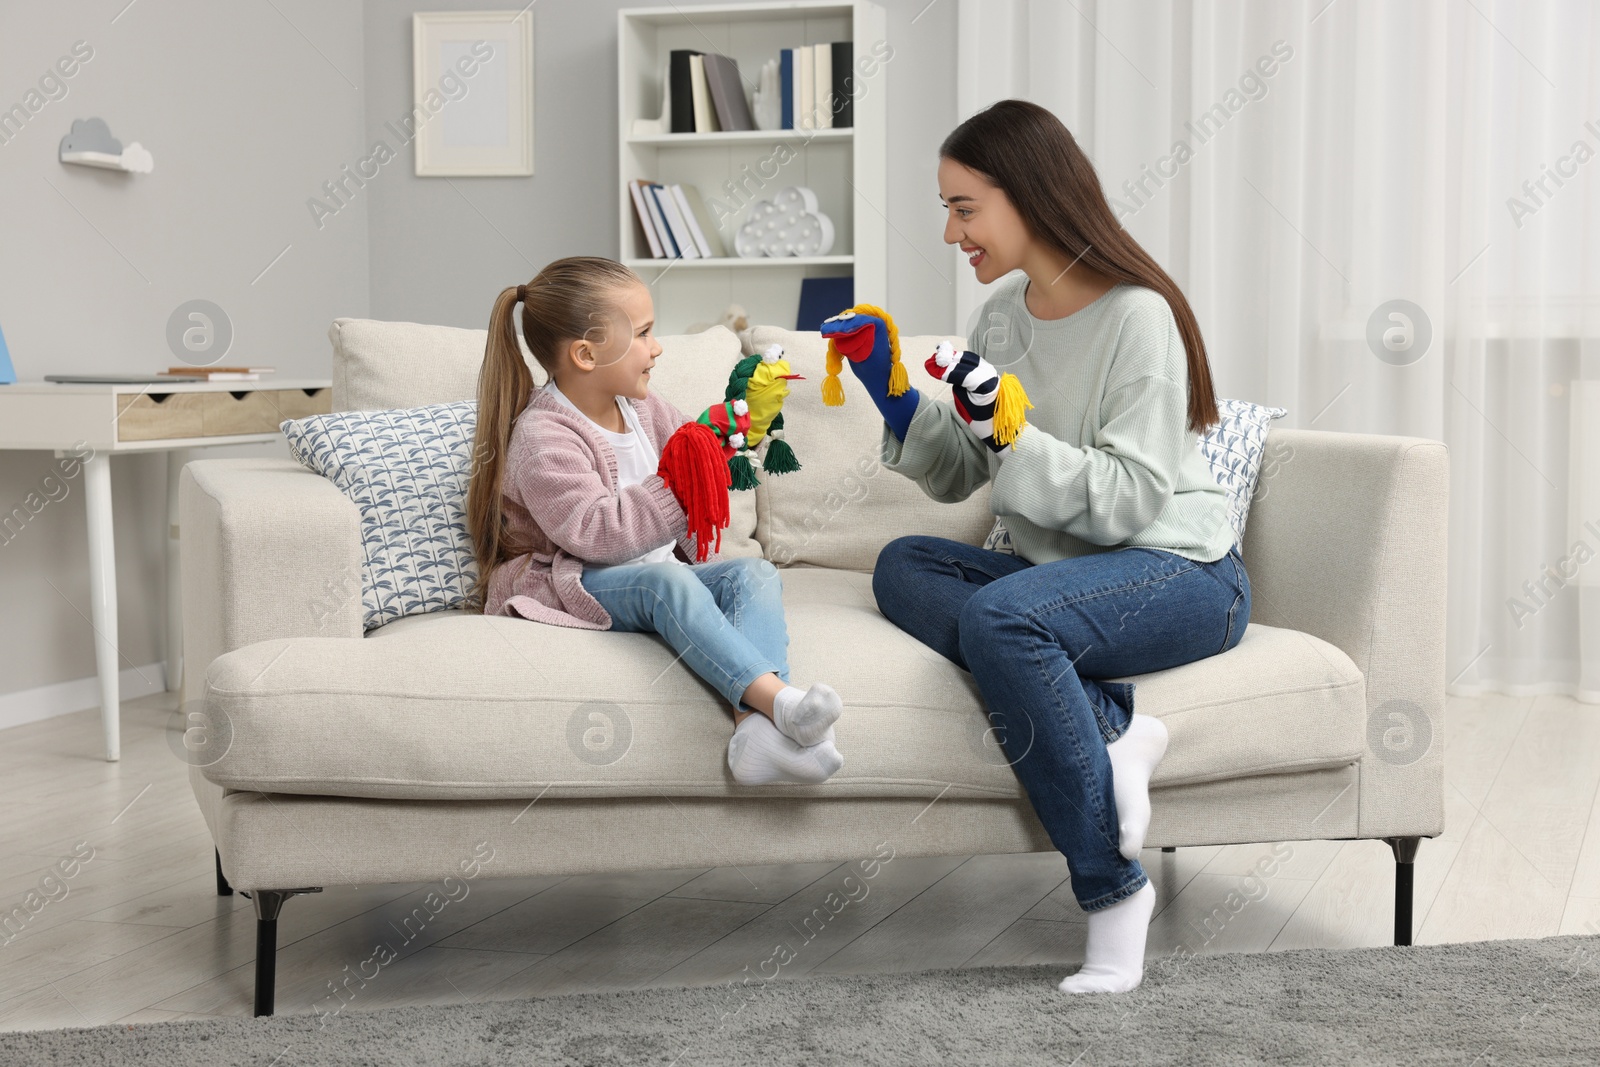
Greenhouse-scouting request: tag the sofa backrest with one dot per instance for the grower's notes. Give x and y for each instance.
(838, 510)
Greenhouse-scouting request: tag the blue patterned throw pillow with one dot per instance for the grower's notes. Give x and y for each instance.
(1234, 448)
(406, 470)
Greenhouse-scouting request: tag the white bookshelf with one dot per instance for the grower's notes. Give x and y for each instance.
(847, 168)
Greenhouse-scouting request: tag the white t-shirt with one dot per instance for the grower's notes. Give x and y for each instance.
(636, 460)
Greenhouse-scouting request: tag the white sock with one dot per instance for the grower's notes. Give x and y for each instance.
(1113, 961)
(1134, 756)
(759, 755)
(806, 714)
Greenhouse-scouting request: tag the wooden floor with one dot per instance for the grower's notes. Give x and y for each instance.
(138, 933)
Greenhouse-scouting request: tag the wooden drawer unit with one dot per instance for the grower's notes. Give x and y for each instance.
(301, 403)
(154, 416)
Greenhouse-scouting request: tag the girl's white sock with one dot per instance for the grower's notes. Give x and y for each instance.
(1134, 756)
(806, 714)
(759, 755)
(1113, 961)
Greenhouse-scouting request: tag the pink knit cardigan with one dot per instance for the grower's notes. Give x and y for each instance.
(560, 496)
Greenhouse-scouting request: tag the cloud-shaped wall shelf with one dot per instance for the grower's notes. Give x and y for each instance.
(787, 225)
(90, 143)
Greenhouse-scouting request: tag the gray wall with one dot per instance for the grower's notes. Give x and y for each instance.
(440, 253)
(245, 118)
(247, 112)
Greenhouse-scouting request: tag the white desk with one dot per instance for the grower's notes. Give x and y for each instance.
(90, 423)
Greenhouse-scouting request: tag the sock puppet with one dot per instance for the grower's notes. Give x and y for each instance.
(991, 404)
(703, 459)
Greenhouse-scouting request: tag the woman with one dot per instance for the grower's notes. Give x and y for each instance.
(1125, 559)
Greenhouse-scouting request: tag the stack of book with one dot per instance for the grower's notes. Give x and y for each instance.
(674, 221)
(705, 93)
(215, 374)
(815, 85)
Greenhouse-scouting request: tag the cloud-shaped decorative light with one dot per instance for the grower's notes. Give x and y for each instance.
(787, 225)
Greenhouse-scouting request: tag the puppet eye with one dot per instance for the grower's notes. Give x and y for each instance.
(840, 317)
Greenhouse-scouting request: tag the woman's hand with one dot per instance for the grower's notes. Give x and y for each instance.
(975, 388)
(872, 371)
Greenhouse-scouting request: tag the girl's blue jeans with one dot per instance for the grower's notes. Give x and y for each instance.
(725, 618)
(1038, 639)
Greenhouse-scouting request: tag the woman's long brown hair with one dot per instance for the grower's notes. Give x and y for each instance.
(566, 301)
(1031, 156)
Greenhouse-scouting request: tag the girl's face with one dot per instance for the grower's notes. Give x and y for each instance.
(626, 348)
(982, 221)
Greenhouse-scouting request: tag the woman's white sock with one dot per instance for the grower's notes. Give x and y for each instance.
(1134, 756)
(1113, 960)
(759, 755)
(806, 714)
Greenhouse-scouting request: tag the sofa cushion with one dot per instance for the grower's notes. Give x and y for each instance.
(842, 506)
(381, 365)
(460, 706)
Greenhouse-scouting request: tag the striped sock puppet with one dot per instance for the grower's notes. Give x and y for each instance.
(991, 403)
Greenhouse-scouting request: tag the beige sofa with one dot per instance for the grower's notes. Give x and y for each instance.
(332, 758)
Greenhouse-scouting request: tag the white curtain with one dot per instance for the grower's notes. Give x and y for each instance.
(1342, 156)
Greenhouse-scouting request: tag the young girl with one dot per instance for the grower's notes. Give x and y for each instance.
(1125, 561)
(573, 524)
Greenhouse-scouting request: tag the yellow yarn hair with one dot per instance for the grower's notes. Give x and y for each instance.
(1008, 410)
(899, 383)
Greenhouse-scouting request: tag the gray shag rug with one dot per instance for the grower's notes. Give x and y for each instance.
(1468, 1005)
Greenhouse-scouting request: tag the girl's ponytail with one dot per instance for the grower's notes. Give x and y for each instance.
(504, 385)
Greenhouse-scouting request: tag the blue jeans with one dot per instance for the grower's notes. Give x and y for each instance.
(724, 618)
(1036, 639)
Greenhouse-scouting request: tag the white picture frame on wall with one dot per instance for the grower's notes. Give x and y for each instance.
(472, 93)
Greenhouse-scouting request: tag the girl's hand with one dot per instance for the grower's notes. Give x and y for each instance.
(730, 421)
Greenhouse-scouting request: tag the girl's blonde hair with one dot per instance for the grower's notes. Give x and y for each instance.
(569, 299)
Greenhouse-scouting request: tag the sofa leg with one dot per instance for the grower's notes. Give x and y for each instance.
(1169, 848)
(223, 888)
(268, 903)
(1405, 856)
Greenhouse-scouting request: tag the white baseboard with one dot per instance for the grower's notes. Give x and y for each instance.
(64, 698)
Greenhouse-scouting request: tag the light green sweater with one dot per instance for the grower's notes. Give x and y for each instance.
(1106, 459)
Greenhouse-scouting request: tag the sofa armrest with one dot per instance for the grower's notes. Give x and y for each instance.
(268, 549)
(1347, 540)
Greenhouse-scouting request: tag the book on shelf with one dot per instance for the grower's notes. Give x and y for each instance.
(805, 87)
(676, 226)
(674, 221)
(727, 93)
(681, 89)
(786, 85)
(821, 298)
(705, 115)
(641, 215)
(822, 78)
(840, 65)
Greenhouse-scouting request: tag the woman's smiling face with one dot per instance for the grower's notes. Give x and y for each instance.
(982, 221)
